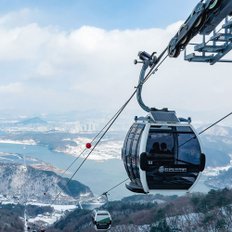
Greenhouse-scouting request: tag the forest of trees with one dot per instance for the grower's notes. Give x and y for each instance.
(192, 212)
(12, 216)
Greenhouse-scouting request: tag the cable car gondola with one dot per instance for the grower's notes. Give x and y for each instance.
(161, 151)
(101, 220)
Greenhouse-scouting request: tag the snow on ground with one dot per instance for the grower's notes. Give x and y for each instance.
(50, 218)
(56, 207)
(106, 150)
(181, 222)
(23, 142)
(7, 202)
(46, 218)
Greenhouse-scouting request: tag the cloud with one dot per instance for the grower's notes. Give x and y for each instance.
(92, 67)
(11, 88)
(12, 18)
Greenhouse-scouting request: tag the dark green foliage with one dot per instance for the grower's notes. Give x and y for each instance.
(215, 220)
(74, 188)
(148, 198)
(214, 198)
(159, 215)
(161, 227)
(221, 224)
(122, 206)
(34, 210)
(73, 221)
(9, 218)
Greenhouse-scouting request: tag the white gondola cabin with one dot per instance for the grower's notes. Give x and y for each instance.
(162, 153)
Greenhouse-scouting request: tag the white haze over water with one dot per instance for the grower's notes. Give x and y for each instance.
(46, 69)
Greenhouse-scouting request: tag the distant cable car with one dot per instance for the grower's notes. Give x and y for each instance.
(101, 220)
(160, 151)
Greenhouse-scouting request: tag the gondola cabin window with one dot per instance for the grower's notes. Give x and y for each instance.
(160, 145)
(189, 150)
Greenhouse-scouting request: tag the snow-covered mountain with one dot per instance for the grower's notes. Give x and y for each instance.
(217, 145)
(23, 184)
(222, 180)
(221, 131)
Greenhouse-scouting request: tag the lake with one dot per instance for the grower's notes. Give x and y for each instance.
(100, 176)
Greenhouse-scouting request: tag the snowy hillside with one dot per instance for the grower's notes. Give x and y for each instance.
(217, 145)
(22, 184)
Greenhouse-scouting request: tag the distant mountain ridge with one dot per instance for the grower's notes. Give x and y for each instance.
(222, 131)
(222, 180)
(217, 145)
(32, 121)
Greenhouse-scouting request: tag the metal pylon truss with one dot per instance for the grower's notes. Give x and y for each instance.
(213, 47)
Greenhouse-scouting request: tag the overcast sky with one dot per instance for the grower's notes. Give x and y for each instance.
(60, 56)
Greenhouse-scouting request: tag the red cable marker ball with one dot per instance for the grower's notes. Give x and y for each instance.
(88, 145)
